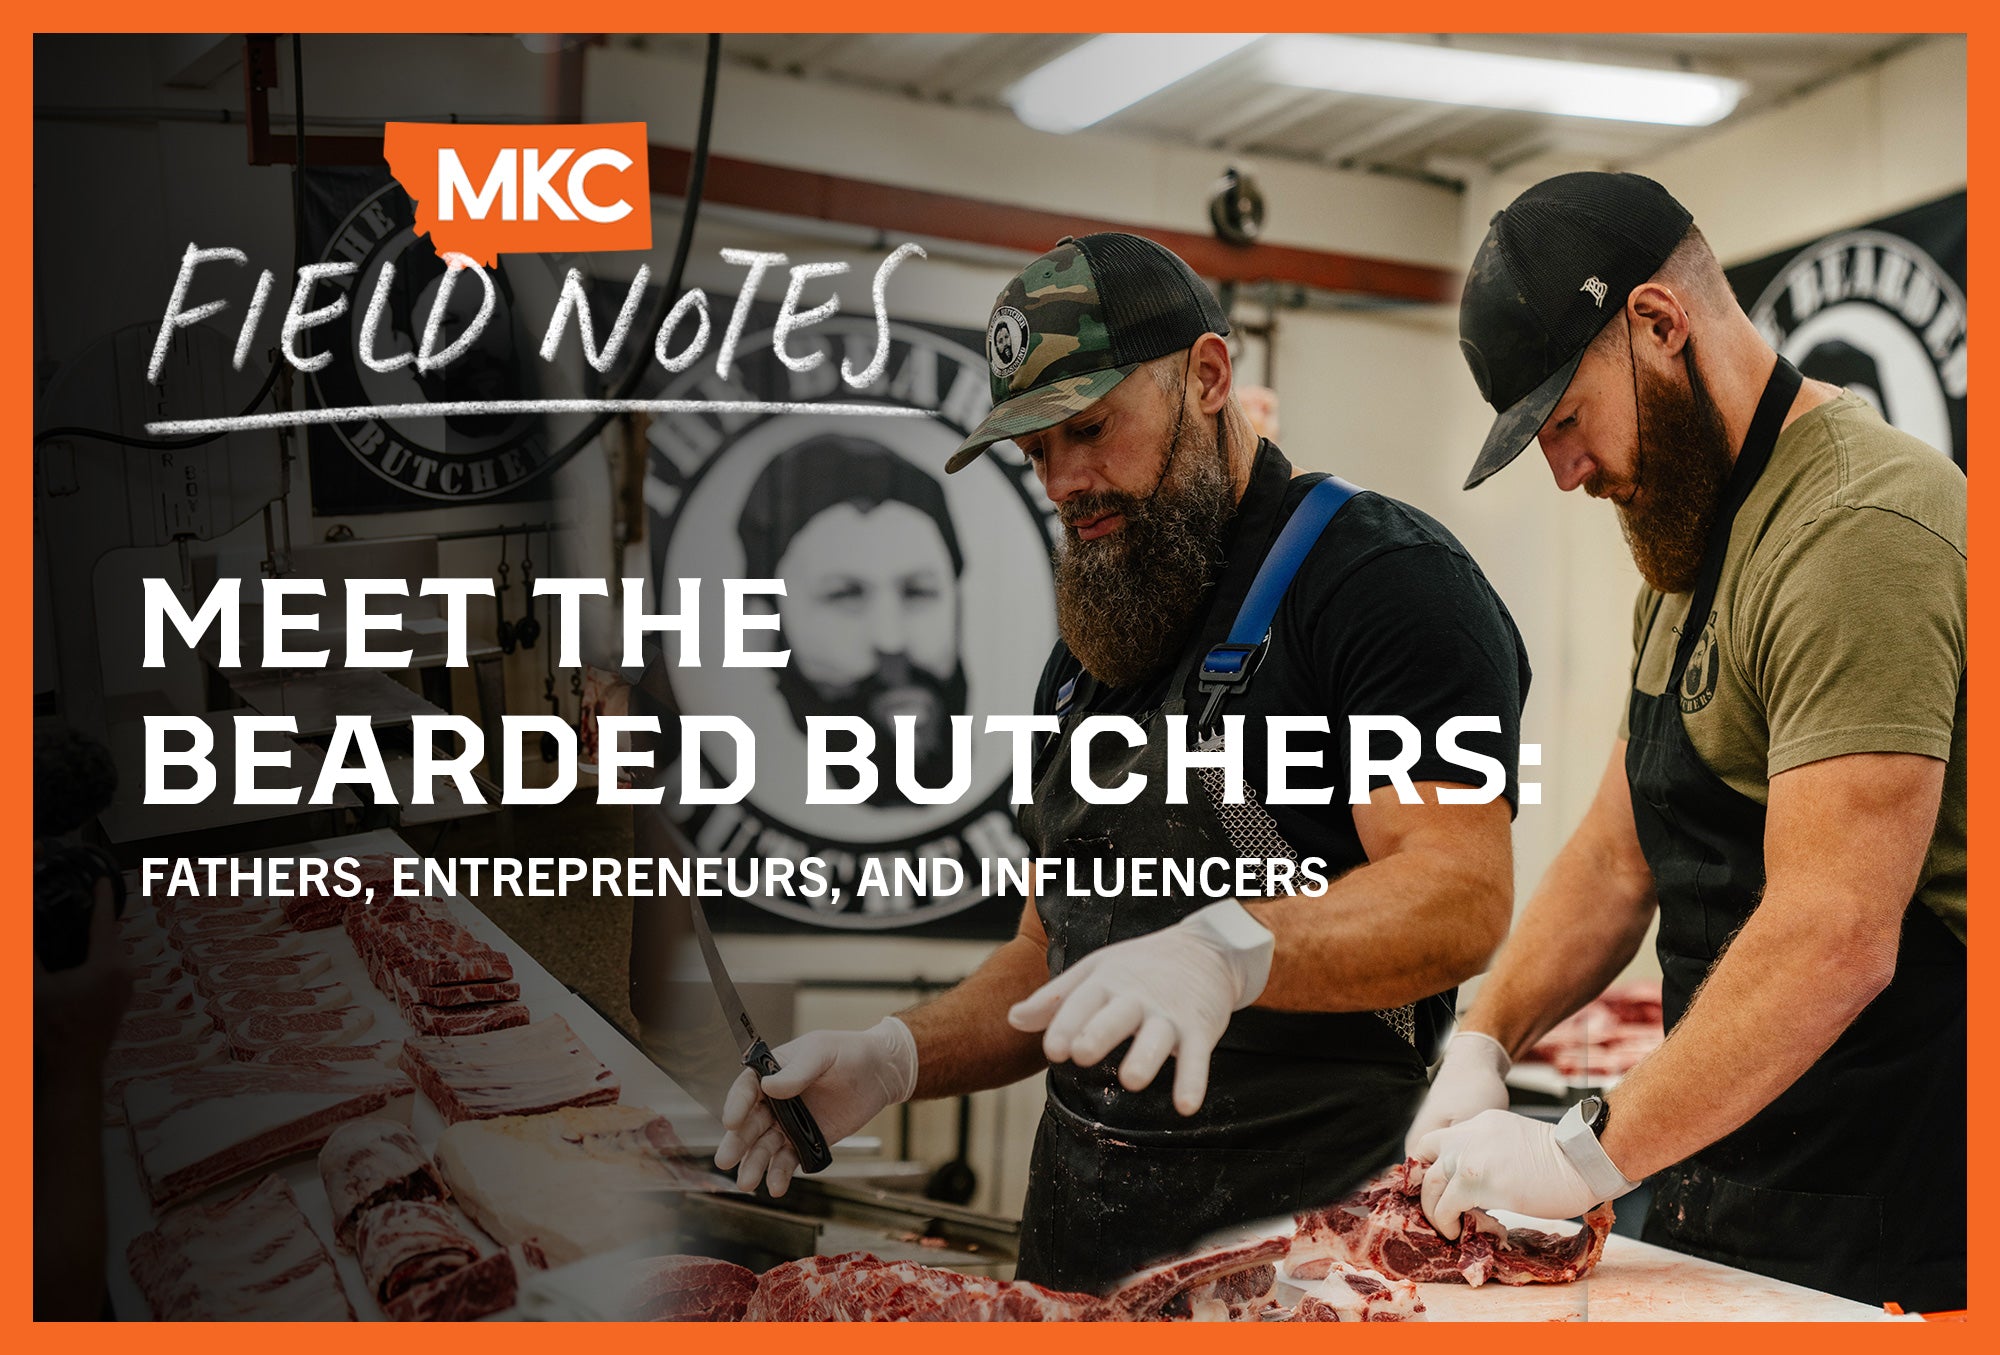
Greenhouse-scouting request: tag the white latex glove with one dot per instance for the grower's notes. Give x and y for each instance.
(1499, 1160)
(847, 1078)
(1472, 1078)
(1171, 993)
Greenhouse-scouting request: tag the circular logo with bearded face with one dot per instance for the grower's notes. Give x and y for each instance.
(915, 605)
(1871, 311)
(1007, 341)
(1703, 668)
(465, 457)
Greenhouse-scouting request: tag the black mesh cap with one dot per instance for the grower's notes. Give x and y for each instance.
(1555, 267)
(1079, 320)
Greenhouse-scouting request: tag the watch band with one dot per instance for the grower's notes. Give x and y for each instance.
(1580, 1145)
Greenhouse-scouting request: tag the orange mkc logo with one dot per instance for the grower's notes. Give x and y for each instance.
(484, 190)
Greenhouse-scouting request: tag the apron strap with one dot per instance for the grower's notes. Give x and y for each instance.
(1227, 668)
(1758, 443)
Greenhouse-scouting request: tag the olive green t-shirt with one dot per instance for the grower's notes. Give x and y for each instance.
(1839, 622)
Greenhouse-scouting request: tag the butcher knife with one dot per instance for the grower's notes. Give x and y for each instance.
(791, 1113)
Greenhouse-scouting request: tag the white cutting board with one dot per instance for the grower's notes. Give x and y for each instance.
(1638, 1282)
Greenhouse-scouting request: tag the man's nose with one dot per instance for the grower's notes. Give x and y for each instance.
(1570, 465)
(1065, 472)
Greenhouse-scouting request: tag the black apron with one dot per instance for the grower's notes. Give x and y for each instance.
(1851, 1181)
(1301, 1106)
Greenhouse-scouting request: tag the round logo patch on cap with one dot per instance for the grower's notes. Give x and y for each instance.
(1007, 341)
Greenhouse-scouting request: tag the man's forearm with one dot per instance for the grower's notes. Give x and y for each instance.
(1774, 1003)
(1385, 934)
(964, 1043)
(1582, 926)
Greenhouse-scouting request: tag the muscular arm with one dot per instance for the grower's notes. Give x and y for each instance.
(1582, 926)
(1843, 844)
(1424, 913)
(964, 1043)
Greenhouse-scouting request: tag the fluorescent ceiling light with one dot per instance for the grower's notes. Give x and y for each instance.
(1526, 84)
(1115, 70)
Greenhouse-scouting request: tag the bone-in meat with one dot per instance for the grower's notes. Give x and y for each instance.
(1382, 1227)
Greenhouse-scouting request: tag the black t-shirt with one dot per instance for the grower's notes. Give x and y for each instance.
(1387, 616)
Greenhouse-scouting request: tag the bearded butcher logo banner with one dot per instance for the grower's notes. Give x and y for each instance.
(1879, 309)
(908, 594)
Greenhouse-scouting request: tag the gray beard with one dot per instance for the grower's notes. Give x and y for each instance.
(1125, 603)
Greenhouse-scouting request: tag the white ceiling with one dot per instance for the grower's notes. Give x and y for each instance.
(1232, 107)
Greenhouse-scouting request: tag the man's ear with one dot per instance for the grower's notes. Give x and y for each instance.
(1210, 373)
(1658, 319)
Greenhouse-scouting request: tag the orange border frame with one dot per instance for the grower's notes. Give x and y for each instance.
(1560, 16)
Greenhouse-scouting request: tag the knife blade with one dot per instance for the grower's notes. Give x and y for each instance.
(793, 1118)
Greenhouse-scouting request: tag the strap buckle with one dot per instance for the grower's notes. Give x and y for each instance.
(1225, 671)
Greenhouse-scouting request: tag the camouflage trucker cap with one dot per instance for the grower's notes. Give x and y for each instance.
(1079, 320)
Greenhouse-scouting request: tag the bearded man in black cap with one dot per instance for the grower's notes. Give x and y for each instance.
(1211, 1060)
(1787, 793)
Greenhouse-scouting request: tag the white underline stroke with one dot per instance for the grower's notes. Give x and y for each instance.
(445, 409)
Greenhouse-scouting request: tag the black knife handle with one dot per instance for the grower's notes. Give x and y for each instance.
(792, 1115)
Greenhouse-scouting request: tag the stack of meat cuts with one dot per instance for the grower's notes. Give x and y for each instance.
(252, 1256)
(444, 979)
(1606, 1037)
(1382, 1228)
(520, 1071)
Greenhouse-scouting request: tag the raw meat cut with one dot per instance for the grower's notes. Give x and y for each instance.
(459, 994)
(488, 1285)
(383, 1051)
(478, 1019)
(689, 1289)
(366, 1163)
(422, 1267)
(1605, 1038)
(1347, 1294)
(262, 973)
(420, 939)
(574, 1182)
(159, 999)
(858, 1287)
(208, 952)
(201, 1127)
(250, 1256)
(142, 1060)
(315, 912)
(124, 1066)
(1382, 1227)
(248, 1001)
(405, 1243)
(143, 1028)
(1244, 1296)
(265, 1030)
(250, 919)
(522, 1071)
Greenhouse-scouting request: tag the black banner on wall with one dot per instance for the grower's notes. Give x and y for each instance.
(1879, 309)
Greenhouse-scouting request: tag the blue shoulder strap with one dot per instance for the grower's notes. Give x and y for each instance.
(1226, 669)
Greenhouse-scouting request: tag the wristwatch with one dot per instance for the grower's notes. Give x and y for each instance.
(1578, 1137)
